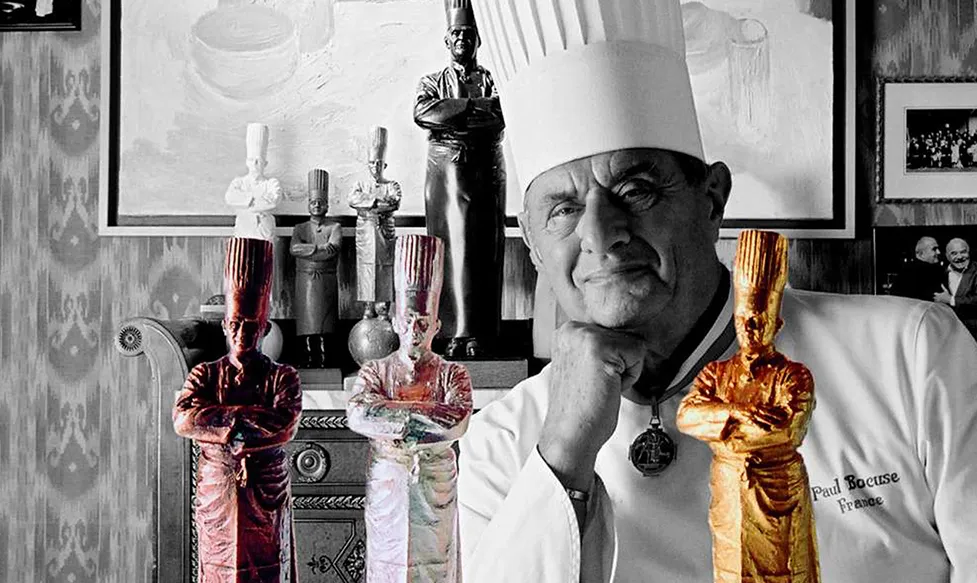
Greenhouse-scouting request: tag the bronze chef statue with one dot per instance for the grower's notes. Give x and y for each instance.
(375, 202)
(242, 410)
(753, 411)
(315, 245)
(464, 191)
(412, 405)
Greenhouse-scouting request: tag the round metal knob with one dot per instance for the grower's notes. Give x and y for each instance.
(129, 340)
(312, 463)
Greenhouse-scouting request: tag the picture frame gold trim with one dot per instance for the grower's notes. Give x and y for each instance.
(895, 96)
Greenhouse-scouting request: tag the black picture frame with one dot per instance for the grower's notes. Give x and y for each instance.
(840, 224)
(21, 16)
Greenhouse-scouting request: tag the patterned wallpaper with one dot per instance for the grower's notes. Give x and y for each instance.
(76, 419)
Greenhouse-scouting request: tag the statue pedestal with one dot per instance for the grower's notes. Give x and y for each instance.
(497, 373)
(321, 379)
(322, 389)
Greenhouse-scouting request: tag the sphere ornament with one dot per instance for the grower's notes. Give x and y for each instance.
(372, 338)
(272, 343)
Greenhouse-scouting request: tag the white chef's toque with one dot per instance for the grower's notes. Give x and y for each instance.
(583, 77)
(257, 141)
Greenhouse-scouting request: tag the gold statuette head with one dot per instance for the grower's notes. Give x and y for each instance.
(759, 277)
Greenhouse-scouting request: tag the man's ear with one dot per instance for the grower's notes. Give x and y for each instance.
(526, 233)
(718, 184)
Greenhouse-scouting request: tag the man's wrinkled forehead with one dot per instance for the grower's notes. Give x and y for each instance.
(956, 246)
(607, 169)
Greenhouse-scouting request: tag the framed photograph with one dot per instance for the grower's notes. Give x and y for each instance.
(929, 264)
(179, 106)
(927, 140)
(40, 15)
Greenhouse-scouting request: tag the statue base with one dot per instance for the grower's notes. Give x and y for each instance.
(496, 373)
(321, 379)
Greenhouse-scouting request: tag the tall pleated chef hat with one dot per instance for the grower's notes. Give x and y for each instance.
(319, 181)
(459, 13)
(257, 140)
(583, 77)
(760, 267)
(248, 273)
(378, 143)
(418, 273)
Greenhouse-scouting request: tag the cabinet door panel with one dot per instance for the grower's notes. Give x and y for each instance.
(330, 546)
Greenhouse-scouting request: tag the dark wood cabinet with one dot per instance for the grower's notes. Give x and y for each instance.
(328, 463)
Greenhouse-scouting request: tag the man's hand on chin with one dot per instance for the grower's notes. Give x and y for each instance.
(592, 366)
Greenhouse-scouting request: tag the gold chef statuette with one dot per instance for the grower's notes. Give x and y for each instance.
(753, 411)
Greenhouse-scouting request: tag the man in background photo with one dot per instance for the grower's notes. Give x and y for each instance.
(960, 291)
(923, 276)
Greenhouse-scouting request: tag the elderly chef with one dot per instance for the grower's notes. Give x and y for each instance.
(621, 215)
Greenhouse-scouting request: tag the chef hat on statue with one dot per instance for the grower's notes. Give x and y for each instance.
(248, 271)
(257, 140)
(378, 143)
(760, 266)
(459, 13)
(418, 273)
(583, 77)
(319, 180)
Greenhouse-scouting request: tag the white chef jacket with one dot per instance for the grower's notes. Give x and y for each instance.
(891, 453)
(254, 201)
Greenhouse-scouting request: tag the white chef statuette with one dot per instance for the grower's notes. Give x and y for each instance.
(254, 196)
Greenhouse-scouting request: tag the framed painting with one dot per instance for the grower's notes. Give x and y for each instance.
(776, 103)
(40, 15)
(927, 140)
(780, 115)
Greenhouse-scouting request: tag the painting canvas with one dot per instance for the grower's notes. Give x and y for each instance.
(321, 72)
(763, 75)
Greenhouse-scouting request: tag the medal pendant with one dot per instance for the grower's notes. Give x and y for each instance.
(652, 451)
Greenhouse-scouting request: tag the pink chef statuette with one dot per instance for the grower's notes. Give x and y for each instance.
(242, 410)
(413, 405)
